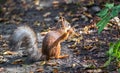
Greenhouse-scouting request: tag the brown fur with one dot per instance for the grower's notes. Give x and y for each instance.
(51, 43)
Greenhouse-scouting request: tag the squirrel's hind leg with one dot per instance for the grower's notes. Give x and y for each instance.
(58, 56)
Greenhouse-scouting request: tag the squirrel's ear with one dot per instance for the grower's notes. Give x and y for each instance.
(62, 20)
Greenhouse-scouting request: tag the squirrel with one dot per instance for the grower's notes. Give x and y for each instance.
(24, 35)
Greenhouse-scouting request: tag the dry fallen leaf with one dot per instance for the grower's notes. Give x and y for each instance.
(43, 33)
(76, 52)
(55, 70)
(37, 23)
(76, 40)
(43, 62)
(73, 65)
(10, 53)
(72, 46)
(52, 64)
(88, 47)
(86, 30)
(92, 26)
(39, 70)
(118, 64)
(94, 71)
(2, 59)
(46, 14)
(36, 2)
(3, 19)
(4, 45)
(87, 14)
(19, 61)
(75, 19)
(55, 3)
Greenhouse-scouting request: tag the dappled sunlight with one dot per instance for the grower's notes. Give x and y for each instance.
(85, 44)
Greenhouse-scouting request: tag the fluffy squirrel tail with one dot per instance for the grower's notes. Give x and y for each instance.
(25, 36)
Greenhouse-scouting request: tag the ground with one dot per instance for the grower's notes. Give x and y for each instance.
(88, 55)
